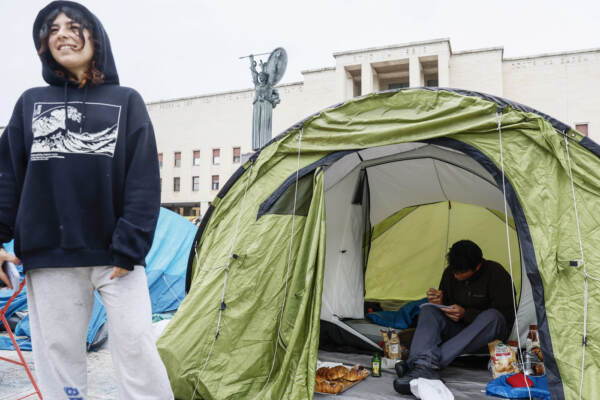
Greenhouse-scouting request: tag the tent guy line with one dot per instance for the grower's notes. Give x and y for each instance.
(514, 299)
(585, 274)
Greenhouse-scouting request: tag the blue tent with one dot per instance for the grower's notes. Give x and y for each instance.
(166, 265)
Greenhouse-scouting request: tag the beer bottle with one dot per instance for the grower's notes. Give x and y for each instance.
(376, 365)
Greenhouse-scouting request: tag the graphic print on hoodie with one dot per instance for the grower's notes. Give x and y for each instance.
(54, 135)
(79, 175)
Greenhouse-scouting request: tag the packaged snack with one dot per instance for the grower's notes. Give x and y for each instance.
(503, 359)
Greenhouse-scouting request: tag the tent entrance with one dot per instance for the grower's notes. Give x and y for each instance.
(392, 213)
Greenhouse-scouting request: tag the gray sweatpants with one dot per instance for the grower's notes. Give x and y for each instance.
(438, 340)
(60, 306)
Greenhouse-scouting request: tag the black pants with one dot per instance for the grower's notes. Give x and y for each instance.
(438, 340)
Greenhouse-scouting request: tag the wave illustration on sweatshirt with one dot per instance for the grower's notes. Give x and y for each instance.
(53, 133)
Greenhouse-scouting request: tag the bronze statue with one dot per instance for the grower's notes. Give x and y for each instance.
(266, 97)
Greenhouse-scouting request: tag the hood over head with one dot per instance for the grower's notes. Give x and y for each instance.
(105, 61)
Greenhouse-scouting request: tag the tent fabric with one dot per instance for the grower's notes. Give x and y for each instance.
(538, 190)
(409, 257)
(344, 274)
(6, 344)
(222, 370)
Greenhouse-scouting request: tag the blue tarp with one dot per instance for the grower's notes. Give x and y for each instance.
(166, 265)
(401, 319)
(6, 344)
(500, 388)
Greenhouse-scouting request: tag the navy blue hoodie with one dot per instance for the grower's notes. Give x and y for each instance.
(79, 175)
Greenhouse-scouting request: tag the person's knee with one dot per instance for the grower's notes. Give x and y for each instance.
(431, 311)
(431, 314)
(491, 317)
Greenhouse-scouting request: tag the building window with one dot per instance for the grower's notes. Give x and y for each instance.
(176, 184)
(399, 85)
(196, 159)
(582, 128)
(216, 158)
(215, 182)
(237, 155)
(432, 82)
(160, 160)
(195, 183)
(177, 159)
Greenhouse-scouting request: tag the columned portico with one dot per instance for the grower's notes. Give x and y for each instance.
(415, 72)
(444, 70)
(366, 77)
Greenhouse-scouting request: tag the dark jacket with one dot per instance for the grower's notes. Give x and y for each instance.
(79, 176)
(490, 287)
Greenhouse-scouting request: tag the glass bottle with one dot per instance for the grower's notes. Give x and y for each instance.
(376, 365)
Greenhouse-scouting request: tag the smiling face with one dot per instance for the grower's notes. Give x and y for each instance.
(70, 45)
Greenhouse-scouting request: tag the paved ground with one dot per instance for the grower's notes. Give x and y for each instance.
(465, 384)
(14, 381)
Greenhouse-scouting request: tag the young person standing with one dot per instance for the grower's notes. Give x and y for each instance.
(80, 195)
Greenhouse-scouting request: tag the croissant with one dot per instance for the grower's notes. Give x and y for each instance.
(337, 372)
(322, 372)
(357, 373)
(329, 387)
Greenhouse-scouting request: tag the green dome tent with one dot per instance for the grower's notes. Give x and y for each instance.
(285, 242)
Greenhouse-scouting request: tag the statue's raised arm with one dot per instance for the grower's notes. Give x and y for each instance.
(253, 70)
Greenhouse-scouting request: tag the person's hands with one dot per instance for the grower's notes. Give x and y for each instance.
(118, 272)
(435, 296)
(454, 312)
(4, 257)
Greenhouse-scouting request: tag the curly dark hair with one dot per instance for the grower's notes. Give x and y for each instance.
(93, 75)
(464, 256)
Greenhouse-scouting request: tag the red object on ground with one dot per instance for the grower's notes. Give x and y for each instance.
(21, 360)
(518, 380)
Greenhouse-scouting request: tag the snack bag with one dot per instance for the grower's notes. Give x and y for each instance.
(503, 359)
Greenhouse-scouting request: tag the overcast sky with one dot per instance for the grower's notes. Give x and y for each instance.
(177, 48)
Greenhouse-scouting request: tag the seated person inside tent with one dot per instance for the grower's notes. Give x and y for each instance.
(478, 294)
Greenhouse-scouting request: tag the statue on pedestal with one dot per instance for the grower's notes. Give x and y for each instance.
(266, 96)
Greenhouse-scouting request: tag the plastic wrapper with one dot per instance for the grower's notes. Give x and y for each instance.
(503, 359)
